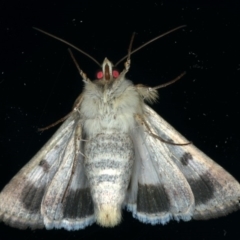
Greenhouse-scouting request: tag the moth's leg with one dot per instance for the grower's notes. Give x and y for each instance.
(55, 123)
(147, 93)
(150, 94)
(170, 82)
(121, 76)
(78, 102)
(82, 74)
(76, 106)
(127, 65)
(128, 61)
(140, 120)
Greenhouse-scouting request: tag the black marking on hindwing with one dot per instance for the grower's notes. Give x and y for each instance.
(152, 199)
(31, 197)
(78, 204)
(203, 188)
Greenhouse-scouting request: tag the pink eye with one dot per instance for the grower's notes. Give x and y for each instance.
(115, 73)
(100, 75)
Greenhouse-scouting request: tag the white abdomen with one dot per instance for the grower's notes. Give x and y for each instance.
(108, 165)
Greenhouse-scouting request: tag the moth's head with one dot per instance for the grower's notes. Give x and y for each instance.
(107, 74)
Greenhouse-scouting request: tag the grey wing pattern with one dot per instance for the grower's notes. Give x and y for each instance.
(215, 192)
(158, 191)
(42, 187)
(176, 182)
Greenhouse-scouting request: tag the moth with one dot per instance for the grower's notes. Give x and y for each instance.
(113, 151)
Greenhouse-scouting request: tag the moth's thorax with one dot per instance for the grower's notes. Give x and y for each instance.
(108, 165)
(109, 107)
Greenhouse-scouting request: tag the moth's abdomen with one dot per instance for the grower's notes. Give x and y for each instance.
(108, 164)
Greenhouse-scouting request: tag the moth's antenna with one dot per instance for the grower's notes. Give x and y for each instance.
(128, 62)
(69, 44)
(152, 40)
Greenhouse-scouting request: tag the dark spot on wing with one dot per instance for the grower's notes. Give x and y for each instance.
(44, 164)
(56, 147)
(78, 204)
(186, 157)
(202, 188)
(152, 199)
(201, 196)
(31, 197)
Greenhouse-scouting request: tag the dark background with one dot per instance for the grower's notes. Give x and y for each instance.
(39, 83)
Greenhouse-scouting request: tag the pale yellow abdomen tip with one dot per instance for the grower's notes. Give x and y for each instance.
(108, 216)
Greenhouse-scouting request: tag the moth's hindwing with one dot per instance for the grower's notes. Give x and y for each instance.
(176, 182)
(51, 190)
